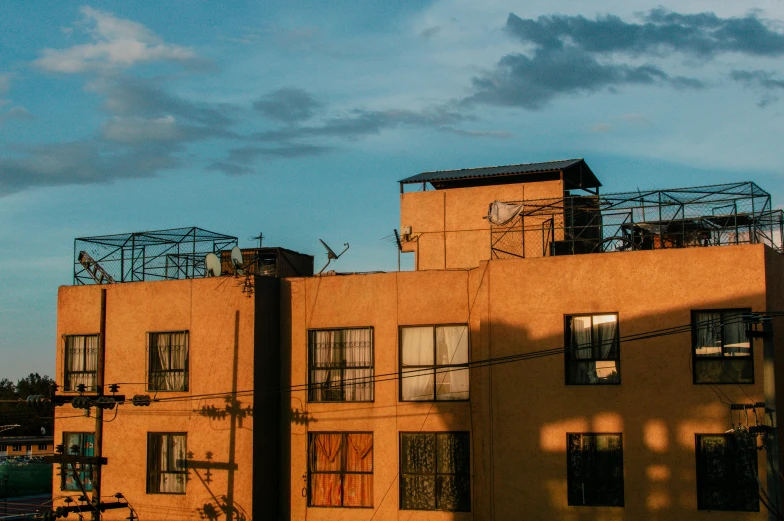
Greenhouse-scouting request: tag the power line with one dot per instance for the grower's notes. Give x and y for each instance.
(530, 355)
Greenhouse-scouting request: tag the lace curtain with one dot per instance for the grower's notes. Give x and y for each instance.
(81, 361)
(169, 361)
(341, 365)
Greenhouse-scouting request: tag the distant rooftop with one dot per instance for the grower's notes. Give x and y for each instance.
(576, 175)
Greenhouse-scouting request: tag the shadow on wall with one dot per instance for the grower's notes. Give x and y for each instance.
(522, 412)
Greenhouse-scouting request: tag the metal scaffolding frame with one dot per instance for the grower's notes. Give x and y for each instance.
(172, 254)
(715, 215)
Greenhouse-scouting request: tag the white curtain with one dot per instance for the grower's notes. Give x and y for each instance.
(359, 365)
(81, 361)
(417, 383)
(326, 357)
(594, 337)
(452, 349)
(164, 380)
(172, 454)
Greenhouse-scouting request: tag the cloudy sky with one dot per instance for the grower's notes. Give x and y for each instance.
(297, 120)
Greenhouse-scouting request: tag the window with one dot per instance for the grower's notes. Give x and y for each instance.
(594, 469)
(434, 363)
(593, 350)
(722, 350)
(16, 448)
(166, 472)
(727, 473)
(168, 361)
(3, 448)
(77, 444)
(341, 365)
(80, 362)
(340, 469)
(29, 447)
(43, 446)
(435, 471)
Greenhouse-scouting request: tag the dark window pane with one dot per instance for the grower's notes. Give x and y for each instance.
(418, 492)
(727, 473)
(722, 350)
(419, 453)
(595, 469)
(454, 493)
(454, 453)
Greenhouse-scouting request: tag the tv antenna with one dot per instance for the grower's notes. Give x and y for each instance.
(259, 237)
(212, 265)
(236, 260)
(331, 255)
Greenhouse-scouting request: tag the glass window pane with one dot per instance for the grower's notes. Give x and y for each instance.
(359, 452)
(418, 492)
(325, 451)
(454, 493)
(452, 384)
(417, 384)
(358, 490)
(736, 342)
(419, 451)
(417, 345)
(581, 331)
(454, 453)
(708, 338)
(451, 345)
(325, 490)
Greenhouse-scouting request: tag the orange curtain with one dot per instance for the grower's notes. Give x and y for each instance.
(358, 488)
(326, 488)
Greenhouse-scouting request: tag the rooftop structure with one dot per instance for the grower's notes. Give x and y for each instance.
(177, 253)
(576, 174)
(716, 215)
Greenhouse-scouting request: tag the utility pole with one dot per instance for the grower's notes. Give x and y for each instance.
(100, 370)
(769, 390)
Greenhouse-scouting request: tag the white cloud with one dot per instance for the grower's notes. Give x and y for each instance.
(5, 83)
(117, 43)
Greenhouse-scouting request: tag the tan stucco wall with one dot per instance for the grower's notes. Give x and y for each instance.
(519, 413)
(206, 308)
(448, 227)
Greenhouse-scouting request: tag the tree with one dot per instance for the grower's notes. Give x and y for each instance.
(30, 420)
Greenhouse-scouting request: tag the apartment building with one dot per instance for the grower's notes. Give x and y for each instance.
(558, 353)
(185, 342)
(25, 446)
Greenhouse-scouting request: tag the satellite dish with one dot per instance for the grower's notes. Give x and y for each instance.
(236, 259)
(213, 265)
(331, 254)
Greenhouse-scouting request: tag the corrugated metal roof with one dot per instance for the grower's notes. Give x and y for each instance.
(491, 171)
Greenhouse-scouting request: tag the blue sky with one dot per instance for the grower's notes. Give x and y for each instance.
(297, 120)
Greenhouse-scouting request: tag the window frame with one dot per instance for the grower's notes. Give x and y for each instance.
(83, 471)
(568, 342)
(156, 473)
(701, 478)
(468, 473)
(343, 472)
(722, 357)
(16, 448)
(311, 367)
(185, 371)
(435, 366)
(569, 473)
(67, 358)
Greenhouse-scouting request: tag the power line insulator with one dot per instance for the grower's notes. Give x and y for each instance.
(141, 400)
